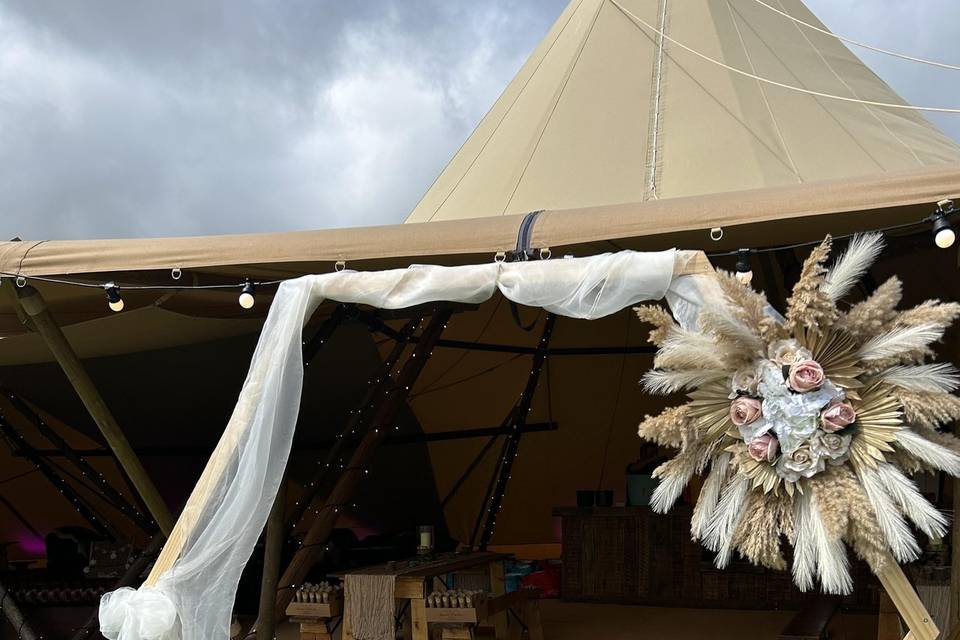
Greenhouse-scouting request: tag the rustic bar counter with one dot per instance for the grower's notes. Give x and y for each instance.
(633, 555)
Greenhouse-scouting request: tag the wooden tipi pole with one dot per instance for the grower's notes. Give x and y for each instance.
(36, 308)
(344, 489)
(14, 616)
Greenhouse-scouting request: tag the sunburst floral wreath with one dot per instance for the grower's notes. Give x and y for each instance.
(808, 426)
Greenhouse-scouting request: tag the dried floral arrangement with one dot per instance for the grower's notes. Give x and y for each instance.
(809, 426)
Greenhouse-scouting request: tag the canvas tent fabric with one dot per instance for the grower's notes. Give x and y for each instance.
(749, 218)
(603, 112)
(169, 367)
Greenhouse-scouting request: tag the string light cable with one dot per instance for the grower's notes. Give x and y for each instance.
(820, 94)
(857, 43)
(940, 220)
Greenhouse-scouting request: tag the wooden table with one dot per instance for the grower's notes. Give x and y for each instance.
(412, 578)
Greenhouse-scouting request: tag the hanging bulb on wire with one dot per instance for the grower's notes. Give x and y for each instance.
(114, 301)
(246, 295)
(744, 270)
(943, 234)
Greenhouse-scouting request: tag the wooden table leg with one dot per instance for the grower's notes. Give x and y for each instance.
(498, 587)
(418, 619)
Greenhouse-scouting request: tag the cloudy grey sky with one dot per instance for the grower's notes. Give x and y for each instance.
(122, 118)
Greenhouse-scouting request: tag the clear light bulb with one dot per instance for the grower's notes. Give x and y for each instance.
(945, 238)
(116, 305)
(746, 277)
(247, 300)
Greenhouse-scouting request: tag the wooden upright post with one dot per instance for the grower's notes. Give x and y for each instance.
(36, 308)
(343, 490)
(272, 551)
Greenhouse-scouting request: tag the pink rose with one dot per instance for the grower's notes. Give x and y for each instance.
(805, 375)
(764, 448)
(745, 410)
(837, 416)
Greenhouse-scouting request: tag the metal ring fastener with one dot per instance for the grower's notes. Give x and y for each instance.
(716, 234)
(500, 256)
(339, 265)
(175, 273)
(545, 253)
(21, 282)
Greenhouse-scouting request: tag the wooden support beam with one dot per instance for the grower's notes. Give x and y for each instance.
(272, 551)
(15, 617)
(36, 308)
(519, 421)
(346, 485)
(377, 387)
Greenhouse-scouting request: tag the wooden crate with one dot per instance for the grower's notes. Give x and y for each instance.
(315, 610)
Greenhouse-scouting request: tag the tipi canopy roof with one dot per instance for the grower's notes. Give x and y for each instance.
(601, 113)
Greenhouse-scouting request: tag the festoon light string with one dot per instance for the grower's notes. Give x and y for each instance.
(940, 227)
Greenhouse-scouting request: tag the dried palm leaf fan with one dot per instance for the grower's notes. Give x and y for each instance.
(810, 426)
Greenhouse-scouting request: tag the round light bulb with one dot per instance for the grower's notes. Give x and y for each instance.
(116, 305)
(247, 300)
(945, 238)
(746, 277)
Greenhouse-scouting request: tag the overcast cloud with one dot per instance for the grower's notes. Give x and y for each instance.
(122, 118)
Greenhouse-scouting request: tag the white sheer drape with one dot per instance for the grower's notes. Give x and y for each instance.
(219, 527)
